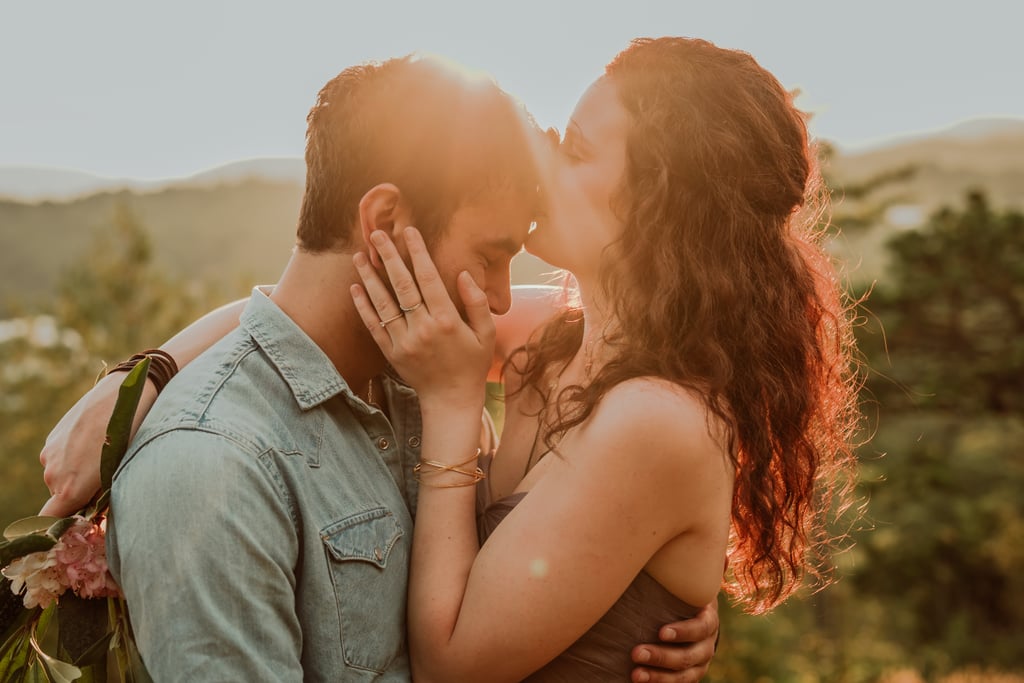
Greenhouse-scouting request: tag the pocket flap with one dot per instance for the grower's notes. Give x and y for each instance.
(366, 536)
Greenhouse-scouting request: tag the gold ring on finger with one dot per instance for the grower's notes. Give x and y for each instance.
(385, 323)
(412, 308)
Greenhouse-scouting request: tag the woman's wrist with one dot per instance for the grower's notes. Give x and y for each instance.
(453, 411)
(450, 438)
(441, 475)
(162, 366)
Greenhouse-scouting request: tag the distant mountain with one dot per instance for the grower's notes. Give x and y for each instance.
(230, 233)
(280, 169)
(236, 223)
(985, 154)
(993, 144)
(986, 146)
(36, 183)
(969, 129)
(974, 129)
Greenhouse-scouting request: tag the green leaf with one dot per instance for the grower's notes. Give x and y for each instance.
(137, 672)
(55, 670)
(99, 502)
(84, 628)
(14, 656)
(19, 547)
(58, 528)
(13, 614)
(96, 656)
(14, 672)
(92, 674)
(58, 671)
(120, 426)
(16, 625)
(128, 667)
(42, 625)
(29, 525)
(36, 672)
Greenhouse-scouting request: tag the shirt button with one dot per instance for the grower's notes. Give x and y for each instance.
(414, 441)
(378, 554)
(383, 443)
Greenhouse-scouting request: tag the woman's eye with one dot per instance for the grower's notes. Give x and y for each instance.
(568, 152)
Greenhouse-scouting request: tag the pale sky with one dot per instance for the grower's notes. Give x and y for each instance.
(140, 89)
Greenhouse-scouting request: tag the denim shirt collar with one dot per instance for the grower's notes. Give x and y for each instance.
(308, 371)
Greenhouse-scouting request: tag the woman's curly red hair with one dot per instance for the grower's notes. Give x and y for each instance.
(720, 283)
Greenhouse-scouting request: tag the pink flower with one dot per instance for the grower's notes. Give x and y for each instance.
(82, 560)
(77, 561)
(39, 575)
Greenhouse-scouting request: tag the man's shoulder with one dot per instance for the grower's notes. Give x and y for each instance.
(231, 357)
(229, 391)
(216, 403)
(175, 449)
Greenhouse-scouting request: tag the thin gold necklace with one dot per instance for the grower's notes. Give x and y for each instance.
(369, 394)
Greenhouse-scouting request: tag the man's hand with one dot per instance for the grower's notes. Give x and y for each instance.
(71, 456)
(684, 654)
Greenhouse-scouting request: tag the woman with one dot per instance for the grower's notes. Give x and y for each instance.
(696, 405)
(699, 394)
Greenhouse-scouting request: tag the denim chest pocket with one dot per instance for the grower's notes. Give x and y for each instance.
(369, 566)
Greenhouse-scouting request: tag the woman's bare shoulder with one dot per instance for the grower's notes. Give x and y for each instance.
(667, 421)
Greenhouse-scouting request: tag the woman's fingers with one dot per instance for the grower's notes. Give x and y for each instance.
(371, 319)
(381, 302)
(442, 354)
(424, 294)
(478, 310)
(402, 281)
(431, 286)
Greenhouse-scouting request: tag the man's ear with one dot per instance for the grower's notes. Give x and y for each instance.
(382, 208)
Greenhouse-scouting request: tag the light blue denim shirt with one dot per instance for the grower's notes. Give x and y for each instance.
(262, 520)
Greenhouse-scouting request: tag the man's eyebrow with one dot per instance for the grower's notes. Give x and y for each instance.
(506, 244)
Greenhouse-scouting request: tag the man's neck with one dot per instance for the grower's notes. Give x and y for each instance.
(314, 293)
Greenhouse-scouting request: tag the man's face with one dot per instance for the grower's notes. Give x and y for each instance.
(482, 238)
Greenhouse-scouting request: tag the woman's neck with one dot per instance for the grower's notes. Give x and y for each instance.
(593, 351)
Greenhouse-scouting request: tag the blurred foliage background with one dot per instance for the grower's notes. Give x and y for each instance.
(932, 588)
(931, 585)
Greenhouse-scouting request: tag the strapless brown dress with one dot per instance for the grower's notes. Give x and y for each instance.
(603, 652)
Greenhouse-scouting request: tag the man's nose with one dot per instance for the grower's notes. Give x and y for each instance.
(500, 298)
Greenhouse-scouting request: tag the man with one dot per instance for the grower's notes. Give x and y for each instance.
(262, 519)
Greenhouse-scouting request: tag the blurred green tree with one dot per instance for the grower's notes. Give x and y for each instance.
(947, 335)
(111, 303)
(935, 582)
(862, 204)
(953, 314)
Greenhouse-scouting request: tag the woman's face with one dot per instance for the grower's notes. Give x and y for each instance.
(584, 176)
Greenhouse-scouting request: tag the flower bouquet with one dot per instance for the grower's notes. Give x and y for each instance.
(62, 616)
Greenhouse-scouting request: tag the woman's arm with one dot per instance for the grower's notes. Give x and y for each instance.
(639, 474)
(71, 455)
(186, 345)
(643, 471)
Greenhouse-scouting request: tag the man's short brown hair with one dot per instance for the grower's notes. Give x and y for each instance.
(442, 137)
